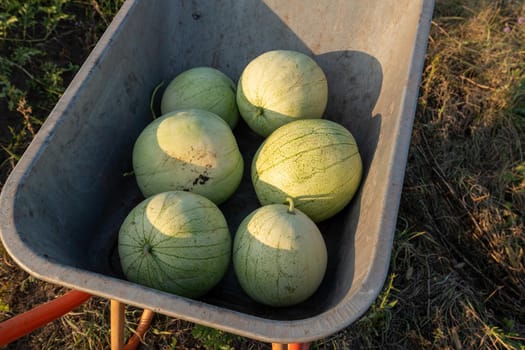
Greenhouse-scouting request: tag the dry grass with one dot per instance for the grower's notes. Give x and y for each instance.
(471, 145)
(464, 185)
(457, 277)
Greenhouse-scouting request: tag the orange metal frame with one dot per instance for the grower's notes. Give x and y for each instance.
(20, 325)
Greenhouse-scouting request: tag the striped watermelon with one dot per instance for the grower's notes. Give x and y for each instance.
(278, 87)
(188, 150)
(315, 161)
(279, 255)
(202, 88)
(177, 242)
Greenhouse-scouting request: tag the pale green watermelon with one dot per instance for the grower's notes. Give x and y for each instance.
(202, 88)
(316, 162)
(176, 242)
(279, 256)
(278, 87)
(188, 150)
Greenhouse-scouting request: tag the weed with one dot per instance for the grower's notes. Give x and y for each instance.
(34, 69)
(213, 339)
(380, 313)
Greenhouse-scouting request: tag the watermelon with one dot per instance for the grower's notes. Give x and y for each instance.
(188, 150)
(202, 88)
(177, 242)
(314, 161)
(278, 87)
(279, 255)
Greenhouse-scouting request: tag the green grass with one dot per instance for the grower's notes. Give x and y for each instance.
(42, 44)
(457, 273)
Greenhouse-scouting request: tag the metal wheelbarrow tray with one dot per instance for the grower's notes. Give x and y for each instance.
(63, 204)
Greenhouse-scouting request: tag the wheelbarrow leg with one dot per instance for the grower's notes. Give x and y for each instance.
(117, 310)
(291, 346)
(24, 323)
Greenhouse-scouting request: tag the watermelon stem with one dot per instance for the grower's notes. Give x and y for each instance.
(152, 100)
(259, 111)
(291, 207)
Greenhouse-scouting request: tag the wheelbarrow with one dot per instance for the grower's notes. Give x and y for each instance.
(62, 206)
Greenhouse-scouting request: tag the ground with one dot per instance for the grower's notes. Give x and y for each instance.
(457, 273)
